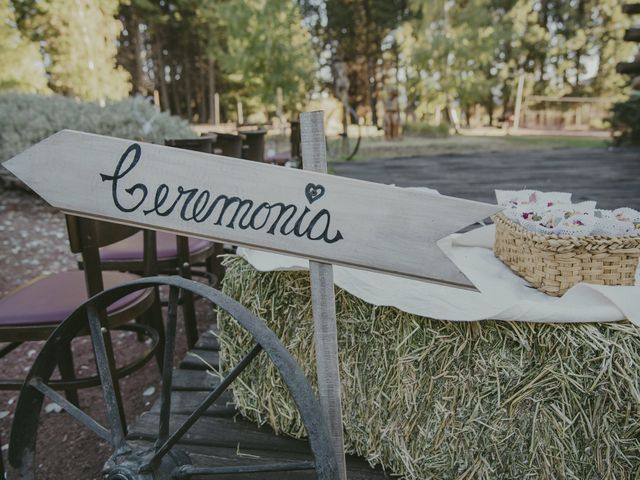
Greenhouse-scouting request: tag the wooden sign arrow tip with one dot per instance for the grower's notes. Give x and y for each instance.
(29, 166)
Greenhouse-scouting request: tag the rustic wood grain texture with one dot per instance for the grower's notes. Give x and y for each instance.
(200, 359)
(360, 224)
(185, 402)
(219, 439)
(208, 341)
(228, 433)
(215, 456)
(314, 158)
(194, 380)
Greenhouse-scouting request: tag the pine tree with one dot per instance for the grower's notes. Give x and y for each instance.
(21, 65)
(455, 49)
(267, 47)
(79, 40)
(357, 36)
(472, 52)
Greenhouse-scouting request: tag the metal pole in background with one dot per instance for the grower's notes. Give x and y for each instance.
(216, 109)
(516, 113)
(314, 158)
(240, 113)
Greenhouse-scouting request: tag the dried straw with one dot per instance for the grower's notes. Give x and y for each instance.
(431, 399)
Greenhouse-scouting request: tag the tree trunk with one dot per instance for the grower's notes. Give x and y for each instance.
(506, 96)
(177, 108)
(212, 91)
(581, 15)
(160, 80)
(137, 77)
(187, 87)
(344, 147)
(202, 100)
(373, 88)
(371, 68)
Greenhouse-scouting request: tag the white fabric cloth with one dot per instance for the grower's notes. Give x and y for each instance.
(553, 213)
(502, 294)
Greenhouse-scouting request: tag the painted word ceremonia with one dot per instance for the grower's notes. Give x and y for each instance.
(200, 205)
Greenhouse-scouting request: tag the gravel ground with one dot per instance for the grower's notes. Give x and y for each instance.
(609, 176)
(33, 242)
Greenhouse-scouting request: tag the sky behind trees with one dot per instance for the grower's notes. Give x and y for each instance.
(433, 52)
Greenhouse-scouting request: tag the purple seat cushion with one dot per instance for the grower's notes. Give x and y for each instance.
(280, 158)
(131, 248)
(49, 300)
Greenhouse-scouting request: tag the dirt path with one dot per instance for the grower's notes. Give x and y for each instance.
(612, 177)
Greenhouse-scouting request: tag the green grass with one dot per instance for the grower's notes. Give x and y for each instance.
(408, 146)
(550, 141)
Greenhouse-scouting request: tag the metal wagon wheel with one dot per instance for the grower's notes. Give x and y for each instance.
(164, 460)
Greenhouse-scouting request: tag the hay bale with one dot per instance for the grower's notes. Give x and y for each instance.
(444, 400)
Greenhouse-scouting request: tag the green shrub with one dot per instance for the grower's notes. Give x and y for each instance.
(424, 129)
(625, 122)
(25, 119)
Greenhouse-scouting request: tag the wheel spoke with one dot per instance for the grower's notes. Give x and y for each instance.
(206, 403)
(93, 313)
(188, 471)
(103, 363)
(167, 370)
(71, 409)
(9, 348)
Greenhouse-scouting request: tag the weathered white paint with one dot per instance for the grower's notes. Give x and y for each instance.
(383, 228)
(314, 158)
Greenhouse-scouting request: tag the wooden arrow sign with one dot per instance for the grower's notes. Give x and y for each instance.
(312, 215)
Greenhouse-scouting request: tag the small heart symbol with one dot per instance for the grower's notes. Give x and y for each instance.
(313, 192)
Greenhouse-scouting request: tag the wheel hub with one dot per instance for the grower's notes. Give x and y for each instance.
(121, 474)
(132, 464)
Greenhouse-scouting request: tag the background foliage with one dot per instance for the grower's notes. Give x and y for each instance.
(21, 66)
(26, 119)
(438, 54)
(472, 52)
(77, 41)
(625, 122)
(251, 60)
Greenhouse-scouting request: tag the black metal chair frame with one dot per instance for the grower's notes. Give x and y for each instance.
(182, 264)
(164, 460)
(86, 237)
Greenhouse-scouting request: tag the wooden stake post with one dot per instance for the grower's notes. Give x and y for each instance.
(327, 219)
(314, 158)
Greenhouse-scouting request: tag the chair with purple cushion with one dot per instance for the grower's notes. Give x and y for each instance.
(126, 255)
(176, 255)
(33, 311)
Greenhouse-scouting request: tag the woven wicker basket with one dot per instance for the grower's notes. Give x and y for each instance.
(555, 263)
